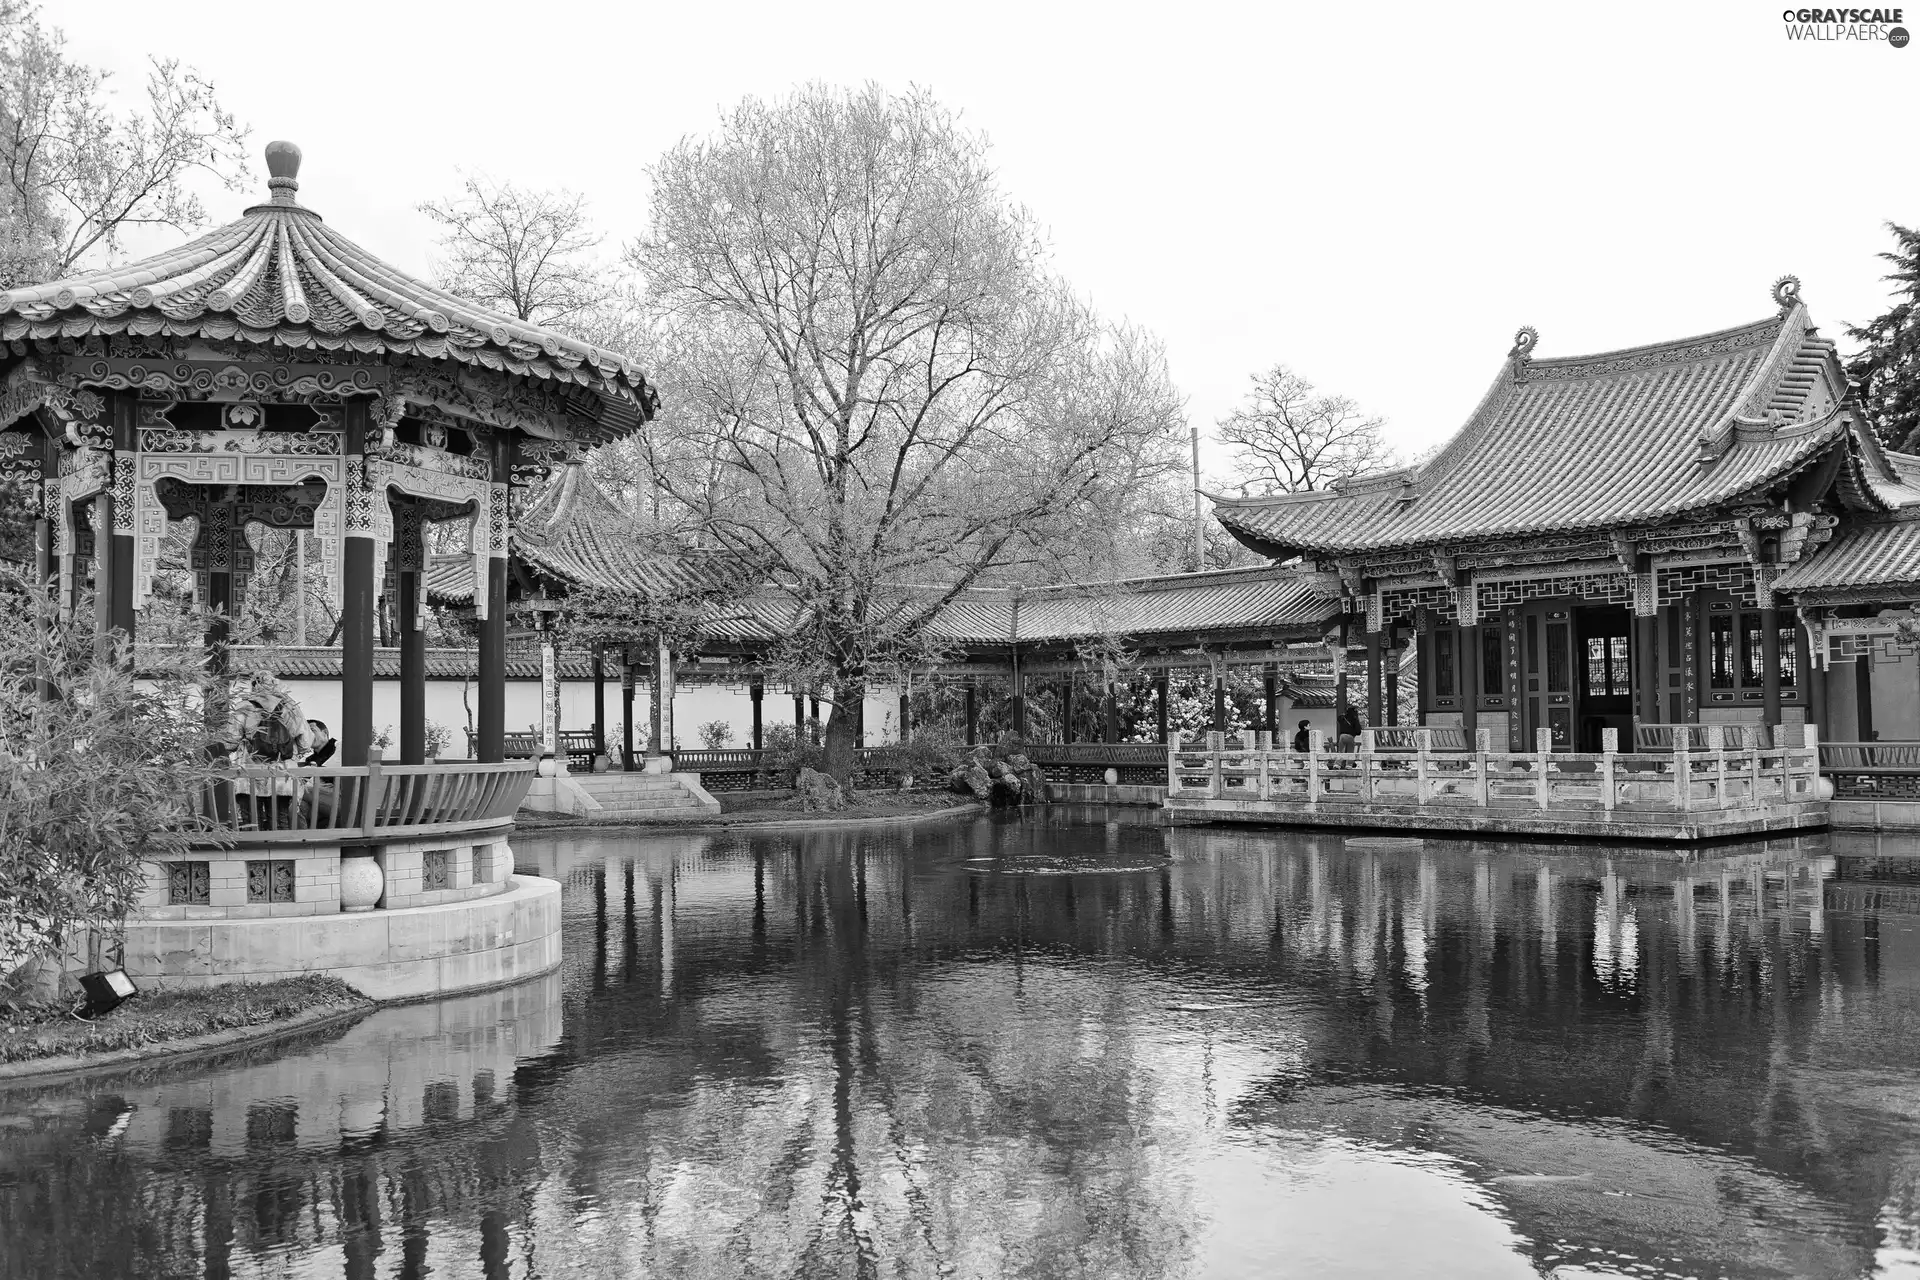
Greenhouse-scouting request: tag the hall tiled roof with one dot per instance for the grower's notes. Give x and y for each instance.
(1588, 442)
(279, 275)
(1262, 598)
(1881, 553)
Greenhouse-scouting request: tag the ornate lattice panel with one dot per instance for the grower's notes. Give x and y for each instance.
(270, 880)
(189, 884)
(1735, 579)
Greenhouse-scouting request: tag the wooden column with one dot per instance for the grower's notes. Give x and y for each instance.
(1160, 707)
(757, 694)
(973, 713)
(599, 701)
(626, 711)
(1373, 680)
(813, 720)
(1646, 669)
(1470, 680)
(860, 719)
(906, 714)
(413, 648)
(1863, 695)
(359, 600)
(1220, 696)
(1066, 707)
(1770, 662)
(1270, 696)
(126, 444)
(799, 719)
(492, 715)
(1392, 666)
(1815, 677)
(102, 510)
(1019, 707)
(1111, 729)
(1340, 675)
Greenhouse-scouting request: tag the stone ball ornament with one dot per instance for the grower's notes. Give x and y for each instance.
(362, 882)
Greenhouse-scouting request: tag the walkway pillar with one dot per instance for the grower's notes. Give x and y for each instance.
(1019, 707)
(799, 719)
(599, 700)
(1160, 707)
(660, 718)
(1269, 695)
(1863, 695)
(1219, 666)
(1770, 661)
(906, 710)
(626, 711)
(757, 694)
(1392, 665)
(492, 717)
(1340, 674)
(973, 713)
(1066, 708)
(1111, 729)
(813, 721)
(1373, 680)
(102, 512)
(359, 599)
(550, 697)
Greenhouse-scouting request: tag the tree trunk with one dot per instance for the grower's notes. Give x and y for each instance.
(843, 728)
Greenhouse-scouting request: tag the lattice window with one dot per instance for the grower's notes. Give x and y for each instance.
(270, 880)
(433, 870)
(189, 884)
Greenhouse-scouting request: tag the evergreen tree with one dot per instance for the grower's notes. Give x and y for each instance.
(1888, 366)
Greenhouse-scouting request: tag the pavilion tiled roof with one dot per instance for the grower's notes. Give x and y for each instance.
(1880, 553)
(280, 276)
(1589, 442)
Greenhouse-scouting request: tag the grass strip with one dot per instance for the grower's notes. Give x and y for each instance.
(158, 1018)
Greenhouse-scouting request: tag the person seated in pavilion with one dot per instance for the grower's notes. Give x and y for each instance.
(270, 729)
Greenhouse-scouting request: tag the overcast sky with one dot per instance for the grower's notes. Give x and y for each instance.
(1377, 195)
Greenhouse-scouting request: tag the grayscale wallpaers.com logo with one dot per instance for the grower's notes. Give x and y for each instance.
(1846, 24)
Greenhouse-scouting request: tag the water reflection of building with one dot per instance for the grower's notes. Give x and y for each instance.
(1006, 1046)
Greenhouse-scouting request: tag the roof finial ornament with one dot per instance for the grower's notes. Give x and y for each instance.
(1786, 292)
(1523, 343)
(283, 171)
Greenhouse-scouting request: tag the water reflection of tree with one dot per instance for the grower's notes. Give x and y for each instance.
(858, 1054)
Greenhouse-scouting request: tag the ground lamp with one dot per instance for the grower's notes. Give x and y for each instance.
(105, 991)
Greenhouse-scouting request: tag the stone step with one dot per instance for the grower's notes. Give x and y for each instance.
(653, 806)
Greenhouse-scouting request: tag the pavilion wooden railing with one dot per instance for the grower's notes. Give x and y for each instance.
(1681, 780)
(365, 804)
(1872, 770)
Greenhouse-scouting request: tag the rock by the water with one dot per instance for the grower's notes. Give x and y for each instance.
(973, 780)
(818, 792)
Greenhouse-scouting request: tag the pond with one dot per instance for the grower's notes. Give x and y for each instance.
(1075, 1044)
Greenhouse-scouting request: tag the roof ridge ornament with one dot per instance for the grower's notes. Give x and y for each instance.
(1786, 292)
(283, 170)
(1524, 342)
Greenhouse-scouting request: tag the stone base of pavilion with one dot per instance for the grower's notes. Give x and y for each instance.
(396, 879)
(1680, 795)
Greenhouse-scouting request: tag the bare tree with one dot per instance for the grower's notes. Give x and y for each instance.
(528, 253)
(1287, 437)
(75, 175)
(895, 400)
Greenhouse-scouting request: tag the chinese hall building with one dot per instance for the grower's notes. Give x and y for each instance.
(1636, 537)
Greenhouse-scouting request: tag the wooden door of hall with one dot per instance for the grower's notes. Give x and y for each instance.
(1548, 691)
(1603, 681)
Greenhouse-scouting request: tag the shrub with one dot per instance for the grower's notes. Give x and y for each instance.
(99, 772)
(715, 734)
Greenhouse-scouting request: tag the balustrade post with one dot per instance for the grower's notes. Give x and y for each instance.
(1609, 747)
(1717, 744)
(1216, 748)
(1682, 769)
(1422, 758)
(1313, 768)
(1263, 747)
(1482, 764)
(1543, 757)
(1810, 745)
(1173, 764)
(1366, 763)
